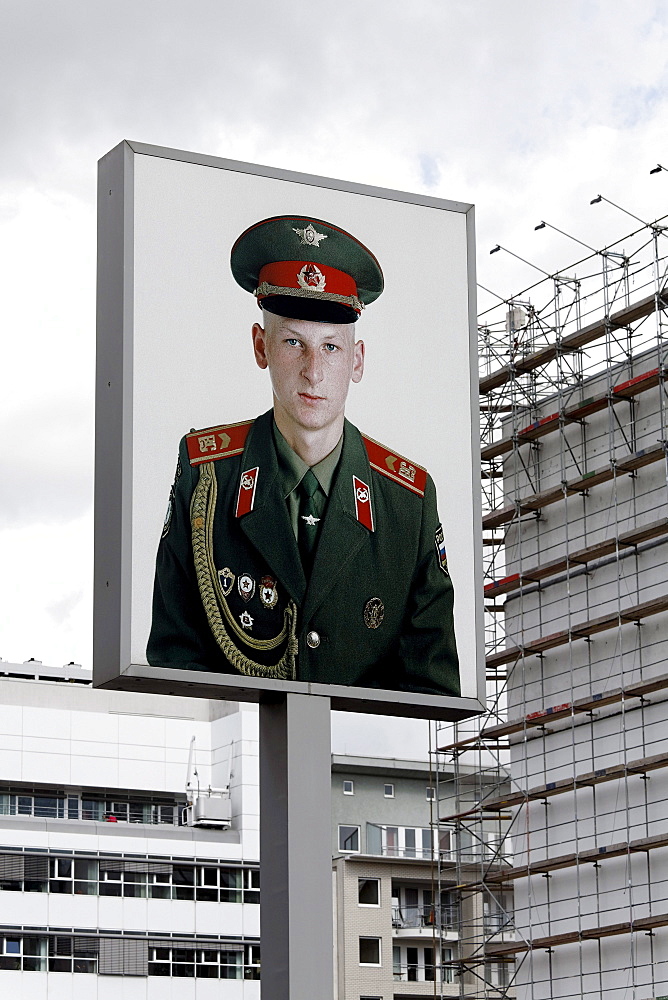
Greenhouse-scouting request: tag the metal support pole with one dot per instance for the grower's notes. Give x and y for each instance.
(296, 919)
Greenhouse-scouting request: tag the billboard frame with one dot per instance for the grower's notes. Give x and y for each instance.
(114, 451)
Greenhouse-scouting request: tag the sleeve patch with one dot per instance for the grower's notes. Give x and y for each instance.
(170, 503)
(212, 443)
(395, 467)
(441, 556)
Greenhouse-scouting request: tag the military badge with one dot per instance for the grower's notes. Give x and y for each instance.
(170, 511)
(311, 278)
(394, 467)
(214, 443)
(439, 542)
(246, 586)
(246, 620)
(268, 591)
(226, 577)
(407, 471)
(246, 494)
(374, 612)
(363, 503)
(309, 236)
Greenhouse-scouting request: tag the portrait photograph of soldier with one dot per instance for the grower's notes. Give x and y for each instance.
(295, 546)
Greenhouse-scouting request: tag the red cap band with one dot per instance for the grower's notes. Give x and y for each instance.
(298, 275)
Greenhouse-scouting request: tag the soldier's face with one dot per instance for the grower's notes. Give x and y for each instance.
(311, 367)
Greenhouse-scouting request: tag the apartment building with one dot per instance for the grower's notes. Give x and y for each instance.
(400, 914)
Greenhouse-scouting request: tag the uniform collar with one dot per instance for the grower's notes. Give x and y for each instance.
(292, 468)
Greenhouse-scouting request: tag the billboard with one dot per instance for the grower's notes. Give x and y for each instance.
(186, 382)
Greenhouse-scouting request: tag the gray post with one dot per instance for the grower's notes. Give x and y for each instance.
(296, 921)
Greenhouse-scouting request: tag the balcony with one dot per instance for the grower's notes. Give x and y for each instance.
(425, 922)
(424, 974)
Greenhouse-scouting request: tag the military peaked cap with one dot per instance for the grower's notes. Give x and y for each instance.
(305, 268)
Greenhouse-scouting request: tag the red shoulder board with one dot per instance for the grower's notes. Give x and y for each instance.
(217, 442)
(399, 469)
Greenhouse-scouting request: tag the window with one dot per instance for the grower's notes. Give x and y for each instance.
(61, 874)
(497, 974)
(391, 845)
(447, 967)
(388, 791)
(230, 885)
(431, 793)
(399, 841)
(87, 876)
(251, 885)
(348, 787)
(416, 964)
(62, 805)
(369, 951)
(349, 839)
(446, 844)
(252, 961)
(427, 843)
(10, 953)
(368, 891)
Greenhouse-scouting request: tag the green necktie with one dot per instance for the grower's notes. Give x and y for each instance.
(309, 522)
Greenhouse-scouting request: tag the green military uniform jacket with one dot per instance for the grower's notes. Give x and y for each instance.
(230, 592)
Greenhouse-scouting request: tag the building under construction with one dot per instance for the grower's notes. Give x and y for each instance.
(570, 895)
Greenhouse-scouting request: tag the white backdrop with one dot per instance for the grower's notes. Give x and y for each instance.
(193, 365)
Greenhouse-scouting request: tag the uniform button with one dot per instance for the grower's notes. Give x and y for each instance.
(313, 640)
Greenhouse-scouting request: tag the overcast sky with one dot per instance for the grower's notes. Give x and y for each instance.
(526, 109)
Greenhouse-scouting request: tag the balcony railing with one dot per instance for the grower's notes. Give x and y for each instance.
(444, 918)
(391, 851)
(424, 973)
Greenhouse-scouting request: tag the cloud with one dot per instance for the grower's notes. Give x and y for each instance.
(46, 585)
(525, 109)
(61, 610)
(48, 463)
(482, 81)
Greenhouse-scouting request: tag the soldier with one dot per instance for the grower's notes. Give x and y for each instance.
(295, 547)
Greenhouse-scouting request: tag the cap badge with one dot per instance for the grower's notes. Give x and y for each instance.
(374, 612)
(246, 585)
(268, 591)
(226, 577)
(309, 236)
(312, 278)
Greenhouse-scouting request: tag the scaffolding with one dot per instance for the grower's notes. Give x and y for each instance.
(561, 842)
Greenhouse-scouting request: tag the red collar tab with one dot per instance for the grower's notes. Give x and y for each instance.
(363, 510)
(396, 468)
(299, 277)
(213, 443)
(246, 494)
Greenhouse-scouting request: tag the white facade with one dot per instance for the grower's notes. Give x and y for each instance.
(102, 892)
(596, 925)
